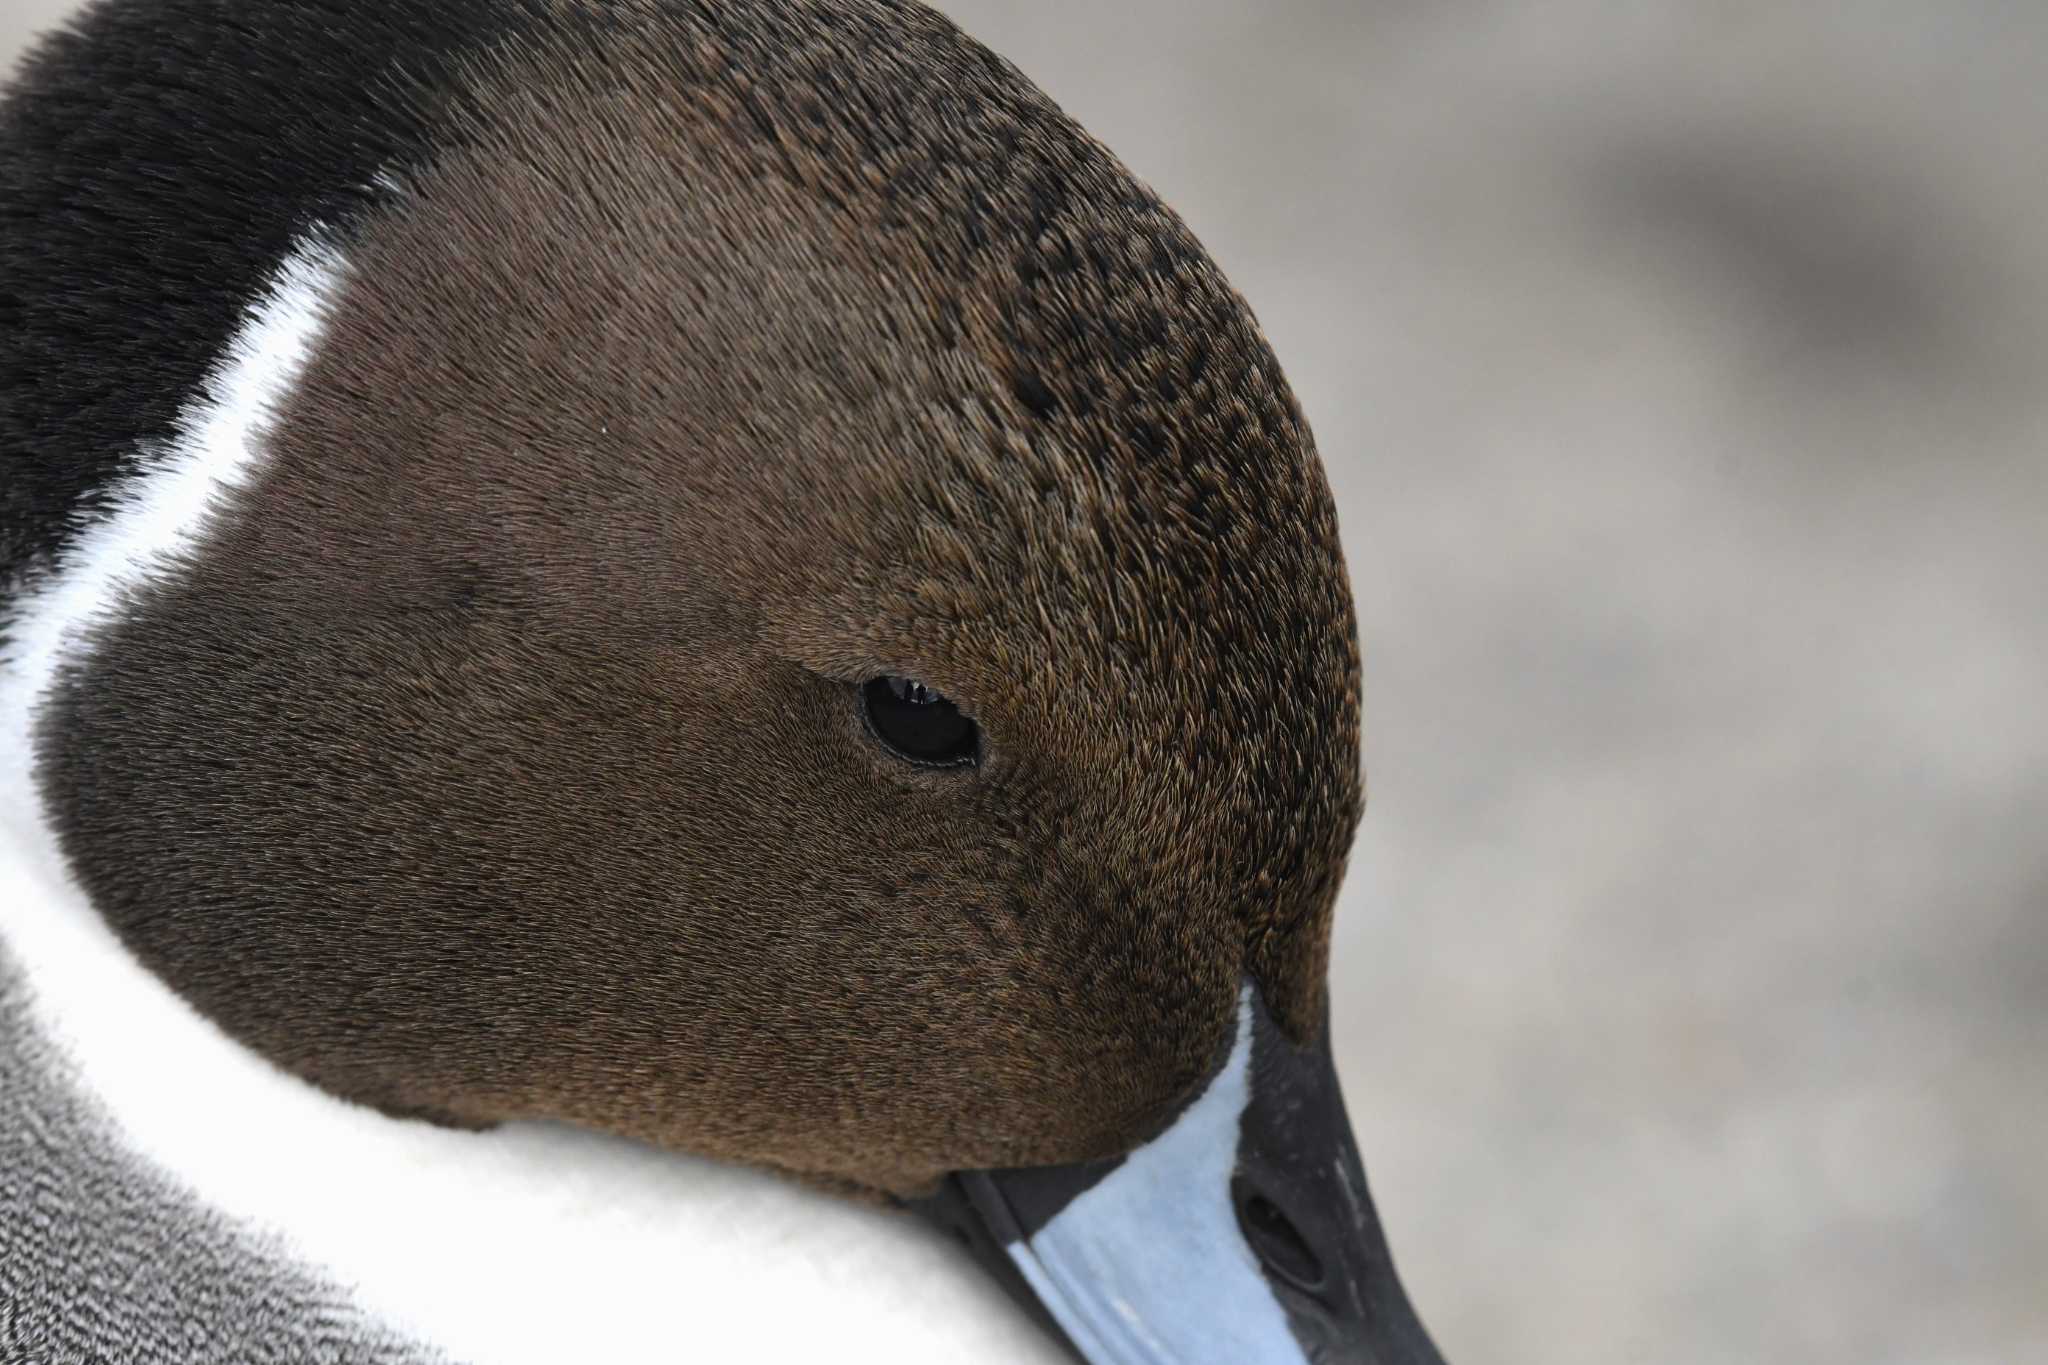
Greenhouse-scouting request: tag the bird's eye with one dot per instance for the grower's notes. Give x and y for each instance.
(917, 724)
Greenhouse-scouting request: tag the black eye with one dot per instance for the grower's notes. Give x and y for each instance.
(918, 724)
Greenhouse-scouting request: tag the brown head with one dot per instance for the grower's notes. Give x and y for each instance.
(511, 749)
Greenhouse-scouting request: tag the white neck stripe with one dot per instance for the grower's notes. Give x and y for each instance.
(530, 1243)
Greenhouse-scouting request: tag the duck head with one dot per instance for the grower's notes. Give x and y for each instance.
(785, 610)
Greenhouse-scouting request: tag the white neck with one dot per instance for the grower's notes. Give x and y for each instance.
(529, 1243)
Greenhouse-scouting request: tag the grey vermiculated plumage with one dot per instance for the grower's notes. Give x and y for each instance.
(81, 1214)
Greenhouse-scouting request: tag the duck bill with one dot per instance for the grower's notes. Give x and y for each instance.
(1242, 1235)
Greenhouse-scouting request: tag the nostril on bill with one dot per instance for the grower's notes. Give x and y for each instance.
(1274, 1239)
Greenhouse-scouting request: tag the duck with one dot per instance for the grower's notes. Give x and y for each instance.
(676, 682)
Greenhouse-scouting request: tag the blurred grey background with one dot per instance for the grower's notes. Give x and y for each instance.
(1682, 371)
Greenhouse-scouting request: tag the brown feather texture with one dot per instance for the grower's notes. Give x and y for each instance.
(500, 754)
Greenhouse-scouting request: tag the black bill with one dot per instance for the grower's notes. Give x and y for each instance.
(1242, 1235)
